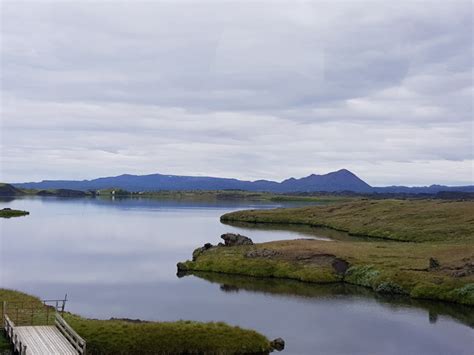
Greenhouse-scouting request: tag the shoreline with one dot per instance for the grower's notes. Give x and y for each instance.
(439, 271)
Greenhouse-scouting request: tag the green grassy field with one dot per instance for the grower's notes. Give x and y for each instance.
(402, 220)
(131, 337)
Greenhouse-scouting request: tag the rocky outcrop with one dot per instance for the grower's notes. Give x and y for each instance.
(231, 239)
(201, 250)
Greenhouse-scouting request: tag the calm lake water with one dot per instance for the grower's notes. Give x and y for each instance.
(117, 258)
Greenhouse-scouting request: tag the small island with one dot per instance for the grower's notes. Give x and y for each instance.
(8, 213)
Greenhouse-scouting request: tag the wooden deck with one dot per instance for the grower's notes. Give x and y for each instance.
(44, 340)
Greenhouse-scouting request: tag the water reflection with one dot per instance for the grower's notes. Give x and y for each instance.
(321, 233)
(292, 288)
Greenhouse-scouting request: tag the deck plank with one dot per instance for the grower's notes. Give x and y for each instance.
(45, 340)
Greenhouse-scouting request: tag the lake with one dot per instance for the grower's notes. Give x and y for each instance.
(117, 258)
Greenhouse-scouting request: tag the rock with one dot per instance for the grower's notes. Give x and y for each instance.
(434, 264)
(277, 344)
(340, 265)
(261, 253)
(232, 239)
(221, 245)
(201, 250)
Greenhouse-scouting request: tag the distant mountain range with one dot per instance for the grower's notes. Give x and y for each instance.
(337, 181)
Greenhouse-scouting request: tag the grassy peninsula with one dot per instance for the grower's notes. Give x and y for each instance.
(431, 255)
(401, 220)
(141, 337)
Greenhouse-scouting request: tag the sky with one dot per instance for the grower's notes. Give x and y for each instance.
(244, 89)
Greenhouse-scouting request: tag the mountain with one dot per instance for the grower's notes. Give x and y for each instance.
(9, 190)
(341, 180)
(337, 181)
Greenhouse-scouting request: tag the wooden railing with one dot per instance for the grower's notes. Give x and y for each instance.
(18, 345)
(26, 314)
(74, 339)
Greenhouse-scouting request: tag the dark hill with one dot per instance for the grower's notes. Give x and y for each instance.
(338, 181)
(342, 180)
(9, 190)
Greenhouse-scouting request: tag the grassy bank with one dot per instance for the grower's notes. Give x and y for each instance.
(125, 337)
(393, 268)
(9, 213)
(132, 337)
(402, 220)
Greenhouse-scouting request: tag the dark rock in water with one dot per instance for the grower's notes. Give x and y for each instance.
(232, 239)
(261, 253)
(277, 344)
(434, 264)
(201, 250)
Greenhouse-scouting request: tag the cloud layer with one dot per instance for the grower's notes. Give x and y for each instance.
(247, 90)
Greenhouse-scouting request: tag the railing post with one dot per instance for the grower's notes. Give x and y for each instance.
(64, 304)
(4, 311)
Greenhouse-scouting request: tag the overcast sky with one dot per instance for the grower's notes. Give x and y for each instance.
(238, 89)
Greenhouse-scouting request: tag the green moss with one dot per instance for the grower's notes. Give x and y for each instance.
(365, 275)
(389, 287)
(464, 294)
